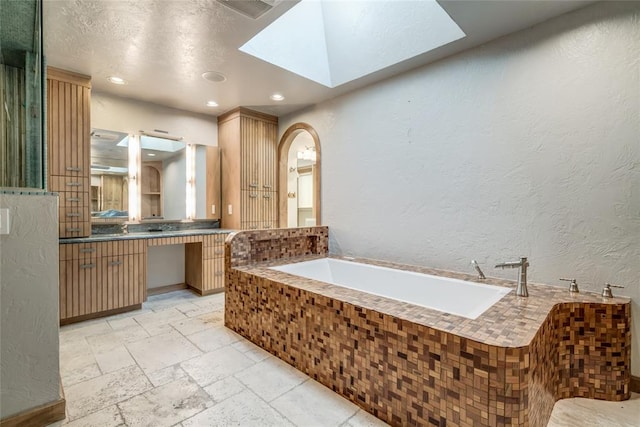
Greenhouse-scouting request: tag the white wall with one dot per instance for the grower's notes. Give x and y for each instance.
(165, 265)
(29, 364)
(526, 146)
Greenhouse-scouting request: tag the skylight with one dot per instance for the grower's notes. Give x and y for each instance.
(335, 42)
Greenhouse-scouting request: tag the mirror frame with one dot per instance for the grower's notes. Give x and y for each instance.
(283, 168)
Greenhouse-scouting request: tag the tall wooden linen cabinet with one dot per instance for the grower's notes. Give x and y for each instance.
(68, 143)
(248, 142)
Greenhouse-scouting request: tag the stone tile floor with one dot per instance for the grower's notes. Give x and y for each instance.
(173, 363)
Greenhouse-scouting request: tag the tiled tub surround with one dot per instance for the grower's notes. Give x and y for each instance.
(413, 366)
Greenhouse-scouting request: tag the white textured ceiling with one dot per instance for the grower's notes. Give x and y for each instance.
(162, 47)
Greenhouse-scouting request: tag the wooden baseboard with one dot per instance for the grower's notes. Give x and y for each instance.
(42, 415)
(205, 293)
(99, 314)
(635, 384)
(164, 289)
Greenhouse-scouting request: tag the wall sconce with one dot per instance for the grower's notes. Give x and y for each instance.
(191, 182)
(134, 182)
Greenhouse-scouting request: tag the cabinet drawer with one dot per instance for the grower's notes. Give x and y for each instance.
(73, 214)
(69, 183)
(69, 251)
(73, 198)
(210, 252)
(215, 239)
(74, 229)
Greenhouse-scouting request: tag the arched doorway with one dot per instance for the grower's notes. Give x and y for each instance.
(299, 177)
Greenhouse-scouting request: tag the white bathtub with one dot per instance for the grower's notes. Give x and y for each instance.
(466, 299)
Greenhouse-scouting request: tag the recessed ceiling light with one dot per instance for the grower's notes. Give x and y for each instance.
(116, 80)
(214, 76)
(212, 104)
(151, 154)
(277, 97)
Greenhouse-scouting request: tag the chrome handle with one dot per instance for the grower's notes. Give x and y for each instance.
(73, 214)
(87, 250)
(115, 262)
(74, 184)
(73, 230)
(253, 227)
(253, 185)
(266, 186)
(87, 265)
(614, 286)
(253, 195)
(267, 196)
(573, 286)
(74, 169)
(73, 199)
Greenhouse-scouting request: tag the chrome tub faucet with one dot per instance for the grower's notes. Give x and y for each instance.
(521, 289)
(475, 265)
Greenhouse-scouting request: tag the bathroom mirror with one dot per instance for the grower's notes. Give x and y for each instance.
(299, 170)
(109, 196)
(163, 172)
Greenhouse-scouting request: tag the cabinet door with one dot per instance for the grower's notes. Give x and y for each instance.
(267, 156)
(68, 113)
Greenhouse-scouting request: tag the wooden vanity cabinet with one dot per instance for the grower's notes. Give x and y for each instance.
(248, 142)
(101, 277)
(204, 264)
(68, 143)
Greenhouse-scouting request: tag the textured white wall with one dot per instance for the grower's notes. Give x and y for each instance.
(29, 364)
(165, 265)
(526, 146)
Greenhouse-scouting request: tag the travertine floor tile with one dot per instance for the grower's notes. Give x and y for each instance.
(225, 388)
(214, 338)
(98, 393)
(166, 375)
(596, 413)
(160, 351)
(107, 417)
(216, 365)
(271, 378)
(312, 404)
(77, 362)
(165, 405)
(158, 322)
(81, 330)
(114, 359)
(364, 419)
(244, 409)
(190, 325)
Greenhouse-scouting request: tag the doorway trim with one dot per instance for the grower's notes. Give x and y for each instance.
(283, 169)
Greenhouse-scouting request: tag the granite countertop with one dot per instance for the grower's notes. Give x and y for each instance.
(511, 322)
(145, 235)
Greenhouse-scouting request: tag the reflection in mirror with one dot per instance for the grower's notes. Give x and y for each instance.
(162, 178)
(109, 176)
(302, 160)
